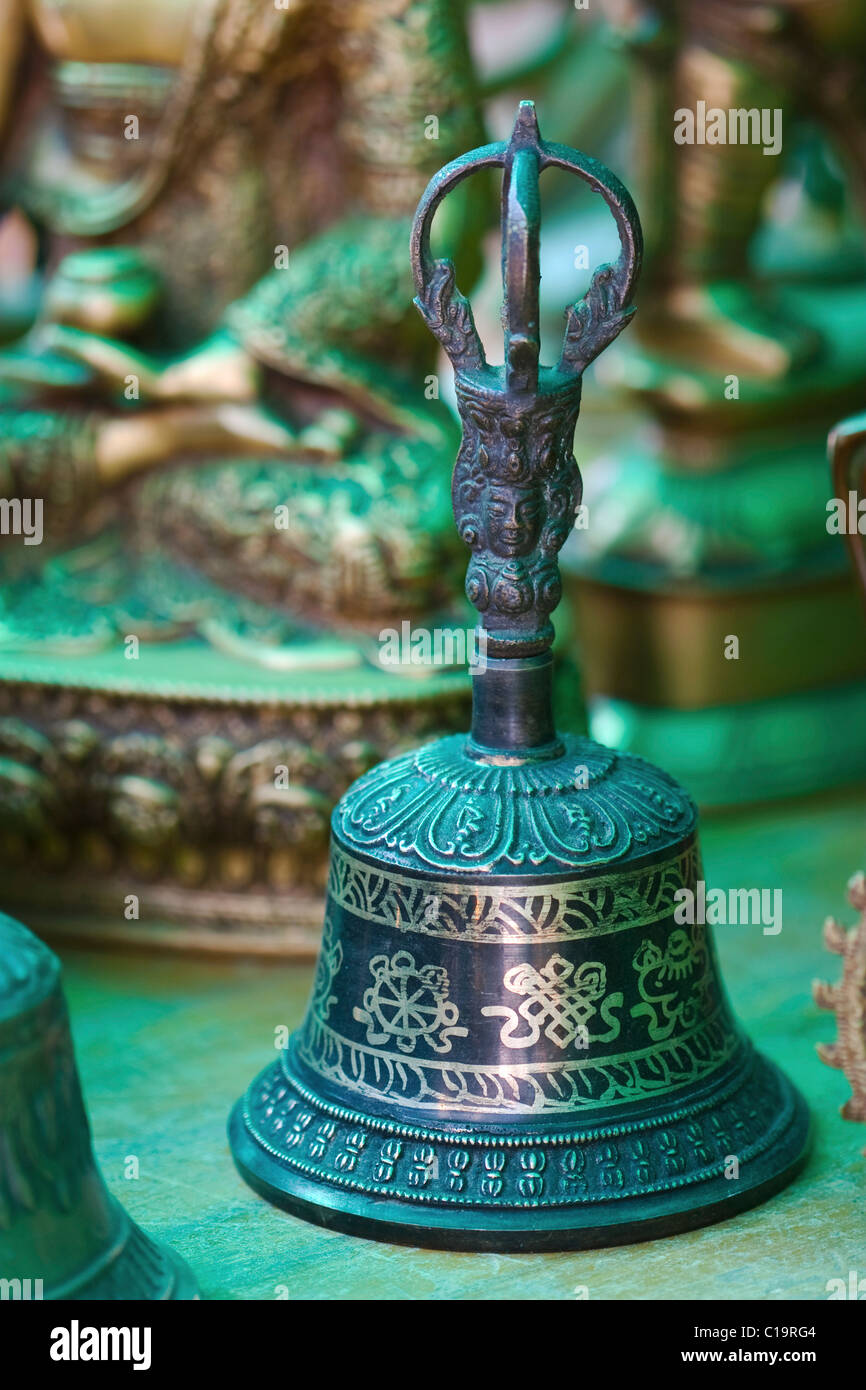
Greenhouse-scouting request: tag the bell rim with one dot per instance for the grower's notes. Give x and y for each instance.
(537, 1238)
(119, 1265)
(582, 1223)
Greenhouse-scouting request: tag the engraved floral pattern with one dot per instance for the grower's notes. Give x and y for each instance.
(483, 911)
(438, 808)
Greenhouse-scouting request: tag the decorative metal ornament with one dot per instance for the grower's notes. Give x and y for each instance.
(62, 1235)
(511, 1042)
(847, 1000)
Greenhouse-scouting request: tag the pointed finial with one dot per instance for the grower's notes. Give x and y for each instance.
(521, 231)
(590, 324)
(516, 486)
(525, 131)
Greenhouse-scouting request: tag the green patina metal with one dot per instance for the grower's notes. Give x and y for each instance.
(205, 1027)
(222, 404)
(512, 1042)
(61, 1232)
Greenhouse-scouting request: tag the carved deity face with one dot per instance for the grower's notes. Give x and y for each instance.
(513, 517)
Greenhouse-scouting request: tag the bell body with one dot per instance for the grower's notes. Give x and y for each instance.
(61, 1231)
(512, 1042)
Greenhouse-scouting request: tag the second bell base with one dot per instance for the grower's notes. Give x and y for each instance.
(133, 1266)
(576, 1226)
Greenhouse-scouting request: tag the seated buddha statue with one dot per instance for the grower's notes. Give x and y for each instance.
(722, 88)
(226, 400)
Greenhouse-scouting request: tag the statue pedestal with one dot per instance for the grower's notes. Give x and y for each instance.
(183, 800)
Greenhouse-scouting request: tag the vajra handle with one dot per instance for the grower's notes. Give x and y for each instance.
(516, 485)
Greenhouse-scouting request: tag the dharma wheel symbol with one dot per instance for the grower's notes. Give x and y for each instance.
(408, 1003)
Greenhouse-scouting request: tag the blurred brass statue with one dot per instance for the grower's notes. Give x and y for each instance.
(708, 528)
(707, 180)
(225, 399)
(242, 136)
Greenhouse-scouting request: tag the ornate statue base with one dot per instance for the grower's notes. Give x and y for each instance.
(182, 800)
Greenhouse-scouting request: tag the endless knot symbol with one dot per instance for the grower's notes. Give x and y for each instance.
(560, 1001)
(409, 1003)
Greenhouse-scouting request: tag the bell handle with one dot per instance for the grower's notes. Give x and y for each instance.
(593, 321)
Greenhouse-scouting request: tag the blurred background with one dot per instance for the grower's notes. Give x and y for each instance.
(226, 442)
(225, 449)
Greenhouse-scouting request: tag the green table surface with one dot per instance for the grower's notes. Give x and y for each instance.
(165, 1045)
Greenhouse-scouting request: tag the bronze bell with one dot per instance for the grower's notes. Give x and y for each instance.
(511, 1043)
(62, 1235)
